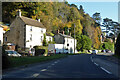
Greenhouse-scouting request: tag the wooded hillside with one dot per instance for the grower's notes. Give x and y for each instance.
(54, 16)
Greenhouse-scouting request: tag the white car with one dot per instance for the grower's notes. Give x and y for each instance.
(94, 51)
(13, 53)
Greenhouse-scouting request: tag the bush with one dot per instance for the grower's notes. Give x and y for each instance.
(40, 50)
(117, 45)
(44, 41)
(107, 45)
(83, 42)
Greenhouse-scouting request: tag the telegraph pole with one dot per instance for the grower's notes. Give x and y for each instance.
(74, 38)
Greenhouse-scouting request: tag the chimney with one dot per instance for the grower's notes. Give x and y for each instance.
(58, 31)
(38, 20)
(70, 34)
(19, 13)
(63, 32)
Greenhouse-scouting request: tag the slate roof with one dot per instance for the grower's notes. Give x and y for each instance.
(32, 22)
(67, 36)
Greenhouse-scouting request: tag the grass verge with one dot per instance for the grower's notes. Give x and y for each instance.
(20, 61)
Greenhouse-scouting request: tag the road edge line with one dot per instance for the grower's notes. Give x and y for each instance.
(106, 70)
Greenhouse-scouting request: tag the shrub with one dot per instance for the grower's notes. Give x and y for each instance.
(44, 41)
(41, 50)
(107, 45)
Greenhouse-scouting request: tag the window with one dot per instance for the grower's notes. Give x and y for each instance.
(41, 30)
(67, 40)
(71, 41)
(49, 39)
(31, 28)
(0, 42)
(30, 46)
(41, 38)
(31, 37)
(67, 44)
(5, 39)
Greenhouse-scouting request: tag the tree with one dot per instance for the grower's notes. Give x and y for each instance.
(44, 41)
(117, 45)
(81, 10)
(73, 5)
(97, 18)
(83, 42)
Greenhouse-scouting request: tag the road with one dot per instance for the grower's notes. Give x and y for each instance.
(73, 66)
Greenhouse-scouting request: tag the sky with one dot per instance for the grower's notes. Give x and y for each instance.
(106, 9)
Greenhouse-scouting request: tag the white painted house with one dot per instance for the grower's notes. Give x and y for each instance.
(67, 41)
(25, 32)
(1, 36)
(48, 37)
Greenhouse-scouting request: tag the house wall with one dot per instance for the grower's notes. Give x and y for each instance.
(16, 33)
(48, 38)
(36, 34)
(1, 36)
(69, 44)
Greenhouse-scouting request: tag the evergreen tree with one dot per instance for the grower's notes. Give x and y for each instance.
(44, 41)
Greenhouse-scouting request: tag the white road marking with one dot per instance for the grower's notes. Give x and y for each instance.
(49, 66)
(96, 64)
(53, 64)
(35, 75)
(91, 59)
(43, 69)
(105, 70)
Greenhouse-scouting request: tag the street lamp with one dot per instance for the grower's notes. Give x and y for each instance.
(74, 38)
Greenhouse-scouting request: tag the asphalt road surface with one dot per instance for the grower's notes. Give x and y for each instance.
(73, 66)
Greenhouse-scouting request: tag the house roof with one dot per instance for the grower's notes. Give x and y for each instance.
(32, 22)
(67, 36)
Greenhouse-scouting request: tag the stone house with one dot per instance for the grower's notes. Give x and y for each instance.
(25, 32)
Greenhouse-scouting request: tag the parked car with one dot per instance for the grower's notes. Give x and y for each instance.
(12, 53)
(103, 51)
(94, 51)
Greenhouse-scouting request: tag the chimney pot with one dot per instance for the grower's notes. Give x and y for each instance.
(70, 34)
(19, 13)
(38, 20)
(63, 32)
(58, 31)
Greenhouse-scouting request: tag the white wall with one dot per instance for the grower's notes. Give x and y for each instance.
(1, 36)
(48, 38)
(36, 35)
(70, 41)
